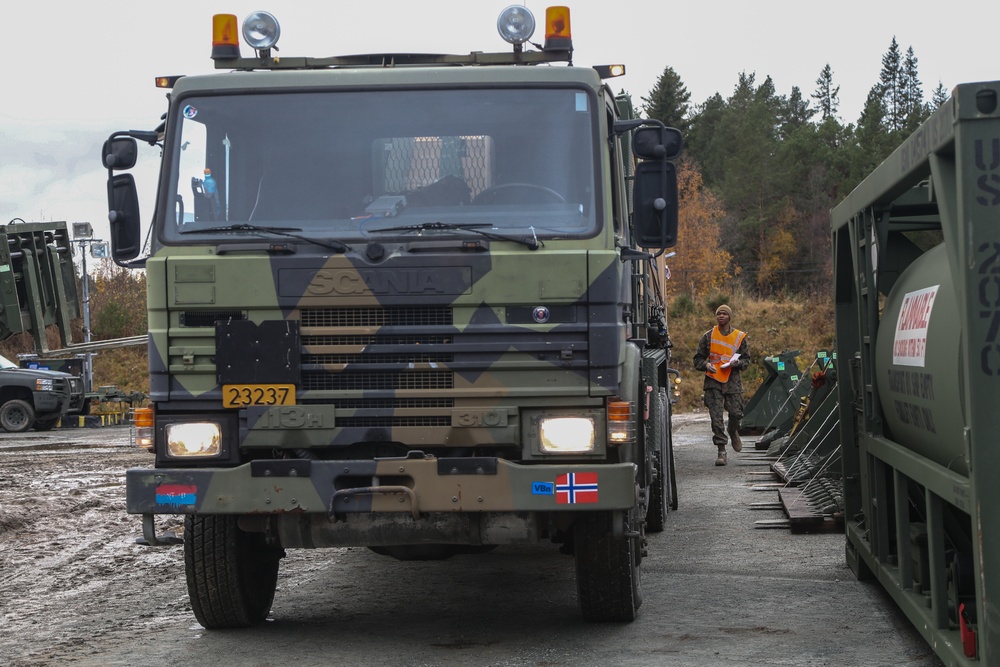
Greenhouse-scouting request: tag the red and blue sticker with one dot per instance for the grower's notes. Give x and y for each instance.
(570, 489)
(176, 495)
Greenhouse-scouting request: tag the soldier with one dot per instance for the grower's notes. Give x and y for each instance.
(723, 354)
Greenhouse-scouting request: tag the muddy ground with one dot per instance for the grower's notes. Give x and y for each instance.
(76, 589)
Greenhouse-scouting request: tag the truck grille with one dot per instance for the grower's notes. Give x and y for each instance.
(398, 358)
(335, 358)
(377, 317)
(387, 339)
(403, 348)
(313, 380)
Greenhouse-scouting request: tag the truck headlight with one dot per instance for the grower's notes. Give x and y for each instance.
(566, 435)
(43, 385)
(193, 439)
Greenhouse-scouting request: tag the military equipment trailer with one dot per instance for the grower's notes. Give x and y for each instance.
(917, 295)
(403, 302)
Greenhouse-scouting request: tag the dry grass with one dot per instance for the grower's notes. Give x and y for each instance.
(773, 325)
(126, 368)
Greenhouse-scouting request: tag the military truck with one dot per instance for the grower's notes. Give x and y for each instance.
(406, 302)
(36, 398)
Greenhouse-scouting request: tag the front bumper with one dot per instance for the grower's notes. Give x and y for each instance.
(48, 402)
(412, 485)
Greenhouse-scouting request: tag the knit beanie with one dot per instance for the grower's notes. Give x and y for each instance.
(724, 309)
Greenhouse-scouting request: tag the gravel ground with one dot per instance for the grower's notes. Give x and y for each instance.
(76, 589)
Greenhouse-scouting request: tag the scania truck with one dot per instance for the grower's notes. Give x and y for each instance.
(402, 301)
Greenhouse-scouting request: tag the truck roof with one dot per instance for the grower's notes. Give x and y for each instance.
(399, 75)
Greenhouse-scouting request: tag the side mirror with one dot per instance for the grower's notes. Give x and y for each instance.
(655, 195)
(657, 143)
(654, 186)
(119, 153)
(123, 214)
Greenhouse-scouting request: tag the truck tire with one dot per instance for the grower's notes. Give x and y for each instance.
(657, 436)
(47, 423)
(231, 574)
(16, 416)
(608, 578)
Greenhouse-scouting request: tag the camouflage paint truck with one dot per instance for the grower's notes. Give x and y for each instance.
(404, 302)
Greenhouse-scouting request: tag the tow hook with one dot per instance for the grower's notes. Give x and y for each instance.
(149, 537)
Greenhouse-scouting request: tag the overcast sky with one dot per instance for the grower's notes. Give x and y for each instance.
(75, 72)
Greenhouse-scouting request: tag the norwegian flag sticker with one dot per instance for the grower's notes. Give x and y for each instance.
(576, 487)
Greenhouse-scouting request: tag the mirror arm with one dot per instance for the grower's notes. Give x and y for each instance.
(623, 126)
(149, 136)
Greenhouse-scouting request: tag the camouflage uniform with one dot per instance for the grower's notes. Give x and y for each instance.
(723, 396)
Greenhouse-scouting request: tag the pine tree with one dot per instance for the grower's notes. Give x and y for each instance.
(742, 161)
(939, 96)
(668, 101)
(873, 141)
(702, 141)
(795, 112)
(891, 87)
(912, 98)
(826, 94)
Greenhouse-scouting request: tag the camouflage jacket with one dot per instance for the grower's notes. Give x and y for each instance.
(735, 383)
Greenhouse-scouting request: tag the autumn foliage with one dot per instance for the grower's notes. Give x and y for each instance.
(700, 266)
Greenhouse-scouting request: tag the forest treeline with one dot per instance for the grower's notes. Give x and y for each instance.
(761, 171)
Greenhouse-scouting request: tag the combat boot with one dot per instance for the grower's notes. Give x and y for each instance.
(737, 443)
(721, 460)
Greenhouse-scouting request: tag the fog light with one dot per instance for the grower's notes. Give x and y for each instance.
(566, 435)
(200, 439)
(261, 31)
(516, 24)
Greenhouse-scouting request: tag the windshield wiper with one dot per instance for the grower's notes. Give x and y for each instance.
(277, 231)
(475, 227)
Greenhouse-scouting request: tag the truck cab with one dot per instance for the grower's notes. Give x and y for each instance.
(405, 302)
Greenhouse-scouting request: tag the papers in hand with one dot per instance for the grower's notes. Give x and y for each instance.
(732, 360)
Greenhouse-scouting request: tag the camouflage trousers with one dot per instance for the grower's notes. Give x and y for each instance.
(717, 402)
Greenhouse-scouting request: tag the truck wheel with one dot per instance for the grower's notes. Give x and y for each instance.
(608, 579)
(656, 439)
(46, 424)
(16, 416)
(231, 574)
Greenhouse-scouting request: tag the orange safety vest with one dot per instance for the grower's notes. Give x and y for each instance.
(722, 350)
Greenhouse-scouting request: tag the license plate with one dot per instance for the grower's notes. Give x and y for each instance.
(242, 395)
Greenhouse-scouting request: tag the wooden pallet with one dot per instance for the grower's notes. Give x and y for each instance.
(801, 516)
(780, 469)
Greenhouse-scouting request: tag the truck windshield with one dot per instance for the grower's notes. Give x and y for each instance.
(344, 165)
